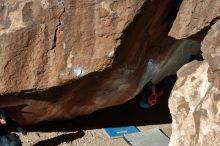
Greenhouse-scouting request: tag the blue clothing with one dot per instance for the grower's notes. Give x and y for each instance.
(10, 140)
(146, 92)
(143, 102)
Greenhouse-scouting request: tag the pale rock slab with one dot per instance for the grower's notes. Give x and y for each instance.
(195, 107)
(211, 53)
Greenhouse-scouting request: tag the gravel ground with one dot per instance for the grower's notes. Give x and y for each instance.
(95, 137)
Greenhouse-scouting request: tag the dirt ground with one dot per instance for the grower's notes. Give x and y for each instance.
(87, 130)
(95, 137)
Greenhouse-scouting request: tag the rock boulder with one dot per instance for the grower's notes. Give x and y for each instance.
(60, 59)
(194, 101)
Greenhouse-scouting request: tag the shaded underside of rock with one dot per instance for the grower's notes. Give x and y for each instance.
(61, 59)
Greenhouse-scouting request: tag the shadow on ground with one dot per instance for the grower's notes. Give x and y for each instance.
(127, 114)
(60, 139)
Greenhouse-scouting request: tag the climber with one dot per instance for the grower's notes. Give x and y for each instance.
(149, 95)
(6, 125)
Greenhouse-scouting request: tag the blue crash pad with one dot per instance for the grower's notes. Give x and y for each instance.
(117, 132)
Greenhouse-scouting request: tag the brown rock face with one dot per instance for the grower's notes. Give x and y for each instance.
(60, 59)
(193, 16)
(194, 105)
(46, 43)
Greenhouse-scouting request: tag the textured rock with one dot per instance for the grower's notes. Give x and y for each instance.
(195, 107)
(61, 59)
(193, 16)
(46, 43)
(211, 53)
(194, 102)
